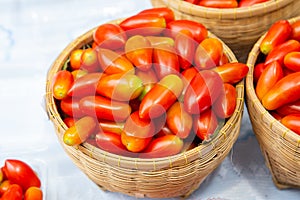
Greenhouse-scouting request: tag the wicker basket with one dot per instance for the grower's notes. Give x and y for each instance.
(280, 146)
(239, 28)
(173, 176)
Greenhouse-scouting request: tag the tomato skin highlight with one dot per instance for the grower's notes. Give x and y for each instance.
(232, 72)
(277, 34)
(290, 108)
(296, 30)
(164, 12)
(14, 192)
(292, 61)
(292, 122)
(75, 59)
(257, 71)
(285, 91)
(205, 124)
(62, 82)
(70, 107)
(218, 3)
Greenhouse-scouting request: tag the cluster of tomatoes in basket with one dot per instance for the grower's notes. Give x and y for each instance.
(225, 3)
(147, 86)
(18, 181)
(277, 73)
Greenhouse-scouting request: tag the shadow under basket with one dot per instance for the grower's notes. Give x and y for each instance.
(173, 176)
(280, 146)
(239, 28)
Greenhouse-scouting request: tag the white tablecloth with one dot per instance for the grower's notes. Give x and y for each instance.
(32, 34)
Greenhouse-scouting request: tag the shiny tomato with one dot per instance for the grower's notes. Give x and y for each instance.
(282, 50)
(110, 142)
(277, 34)
(232, 72)
(120, 87)
(80, 131)
(226, 103)
(197, 29)
(149, 24)
(134, 144)
(257, 71)
(163, 146)
(69, 121)
(104, 108)
(205, 125)
(285, 91)
(179, 121)
(111, 126)
(290, 108)
(292, 122)
(110, 36)
(292, 61)
(164, 12)
(148, 77)
(296, 30)
(165, 130)
(139, 51)
(14, 192)
(70, 107)
(187, 76)
(245, 3)
(160, 40)
(202, 91)
(269, 77)
(224, 59)
(185, 47)
(75, 59)
(113, 63)
(4, 186)
(33, 193)
(208, 53)
(165, 61)
(61, 84)
(219, 3)
(85, 85)
(20, 173)
(77, 73)
(159, 99)
(192, 1)
(89, 60)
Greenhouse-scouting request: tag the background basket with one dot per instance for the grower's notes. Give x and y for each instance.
(173, 176)
(239, 28)
(280, 146)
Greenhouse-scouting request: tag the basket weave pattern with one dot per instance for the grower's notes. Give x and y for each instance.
(280, 146)
(173, 176)
(239, 28)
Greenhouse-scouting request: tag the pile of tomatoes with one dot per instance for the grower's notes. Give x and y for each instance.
(150, 86)
(277, 73)
(225, 3)
(18, 181)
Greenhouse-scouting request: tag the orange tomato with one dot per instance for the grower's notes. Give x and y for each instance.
(33, 193)
(62, 82)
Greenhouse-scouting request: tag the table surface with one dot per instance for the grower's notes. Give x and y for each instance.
(32, 34)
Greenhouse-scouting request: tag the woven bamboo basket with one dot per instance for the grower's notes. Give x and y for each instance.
(239, 28)
(279, 145)
(172, 176)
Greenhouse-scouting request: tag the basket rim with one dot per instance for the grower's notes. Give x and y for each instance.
(228, 13)
(131, 162)
(283, 132)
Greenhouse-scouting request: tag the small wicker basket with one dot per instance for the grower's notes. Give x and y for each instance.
(280, 146)
(172, 176)
(239, 28)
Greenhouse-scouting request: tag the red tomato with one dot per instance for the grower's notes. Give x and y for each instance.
(197, 29)
(245, 3)
(232, 72)
(185, 47)
(291, 108)
(160, 40)
(80, 131)
(187, 76)
(203, 91)
(147, 77)
(89, 60)
(282, 50)
(163, 146)
(283, 92)
(20, 173)
(77, 73)
(179, 121)
(120, 87)
(219, 3)
(103, 108)
(224, 59)
(75, 59)
(150, 24)
(111, 126)
(192, 1)
(14, 192)
(257, 71)
(296, 30)
(205, 125)
(208, 53)
(139, 51)
(33, 193)
(226, 103)
(292, 61)
(113, 63)
(110, 36)
(277, 34)
(69, 121)
(110, 142)
(165, 61)
(70, 107)
(61, 84)
(269, 77)
(164, 12)
(85, 85)
(292, 122)
(159, 99)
